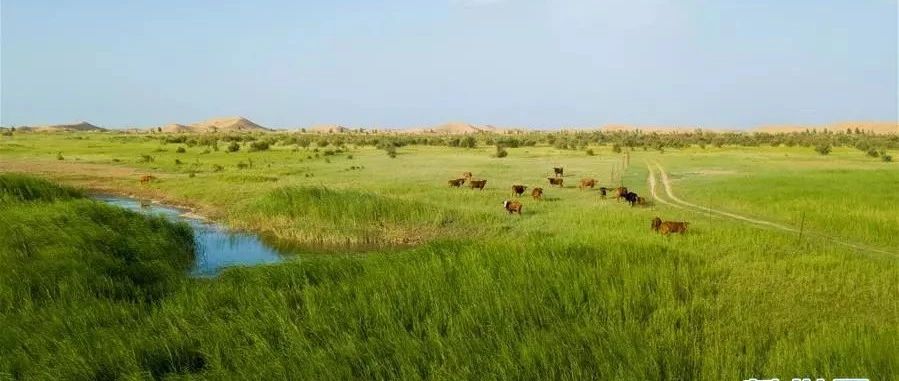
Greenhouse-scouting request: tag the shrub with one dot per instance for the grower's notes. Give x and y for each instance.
(501, 152)
(217, 168)
(180, 150)
(234, 146)
(259, 146)
(823, 148)
(59, 156)
(616, 148)
(590, 152)
(391, 151)
(468, 142)
(178, 162)
(886, 158)
(146, 159)
(873, 152)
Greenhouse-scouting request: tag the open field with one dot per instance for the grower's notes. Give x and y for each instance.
(402, 276)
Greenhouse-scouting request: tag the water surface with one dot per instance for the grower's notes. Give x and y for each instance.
(217, 247)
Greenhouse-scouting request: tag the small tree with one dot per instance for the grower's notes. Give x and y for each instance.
(469, 142)
(233, 147)
(180, 150)
(259, 146)
(500, 151)
(823, 148)
(590, 152)
(616, 148)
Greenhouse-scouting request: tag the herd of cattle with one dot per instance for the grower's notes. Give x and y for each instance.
(515, 206)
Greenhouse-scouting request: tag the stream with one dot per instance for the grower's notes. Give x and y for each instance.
(217, 246)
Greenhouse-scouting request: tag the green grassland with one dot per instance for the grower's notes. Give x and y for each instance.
(401, 276)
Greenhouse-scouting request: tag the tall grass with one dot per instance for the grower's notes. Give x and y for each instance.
(325, 216)
(19, 187)
(72, 266)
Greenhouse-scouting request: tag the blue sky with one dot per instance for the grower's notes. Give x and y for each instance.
(528, 63)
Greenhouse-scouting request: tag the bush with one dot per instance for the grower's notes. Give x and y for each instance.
(590, 152)
(180, 150)
(234, 146)
(886, 158)
(145, 159)
(501, 152)
(823, 148)
(468, 142)
(391, 151)
(259, 146)
(217, 168)
(616, 148)
(59, 156)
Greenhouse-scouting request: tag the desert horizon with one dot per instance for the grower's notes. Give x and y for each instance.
(239, 123)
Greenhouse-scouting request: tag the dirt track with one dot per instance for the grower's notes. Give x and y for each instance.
(681, 204)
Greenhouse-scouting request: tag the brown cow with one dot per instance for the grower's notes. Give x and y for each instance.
(518, 190)
(620, 193)
(477, 184)
(558, 171)
(587, 183)
(555, 181)
(512, 206)
(466, 175)
(668, 227)
(146, 179)
(537, 193)
(456, 183)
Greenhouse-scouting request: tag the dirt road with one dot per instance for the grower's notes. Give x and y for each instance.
(676, 202)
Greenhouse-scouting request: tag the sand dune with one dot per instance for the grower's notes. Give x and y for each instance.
(327, 128)
(82, 126)
(227, 124)
(876, 127)
(455, 128)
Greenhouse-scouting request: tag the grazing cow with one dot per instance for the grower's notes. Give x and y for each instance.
(466, 175)
(631, 198)
(518, 190)
(456, 183)
(477, 184)
(620, 192)
(512, 206)
(603, 191)
(537, 193)
(146, 179)
(668, 227)
(587, 183)
(558, 171)
(555, 181)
